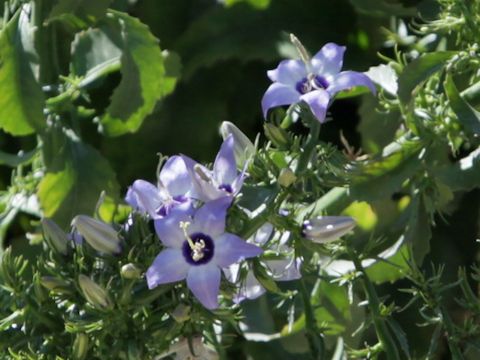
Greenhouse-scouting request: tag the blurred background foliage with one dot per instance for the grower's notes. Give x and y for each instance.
(218, 54)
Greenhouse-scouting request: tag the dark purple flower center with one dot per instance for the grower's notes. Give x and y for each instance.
(227, 188)
(320, 82)
(303, 86)
(165, 209)
(205, 248)
(308, 84)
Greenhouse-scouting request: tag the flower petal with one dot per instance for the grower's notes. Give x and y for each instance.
(250, 290)
(278, 94)
(169, 266)
(225, 166)
(288, 72)
(210, 218)
(285, 269)
(329, 60)
(204, 282)
(230, 248)
(144, 196)
(318, 101)
(169, 231)
(175, 176)
(349, 79)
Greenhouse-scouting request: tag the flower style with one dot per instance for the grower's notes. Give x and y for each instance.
(196, 249)
(223, 181)
(314, 81)
(174, 191)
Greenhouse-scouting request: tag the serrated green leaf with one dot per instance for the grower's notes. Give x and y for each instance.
(79, 13)
(74, 180)
(21, 103)
(466, 114)
(144, 79)
(420, 70)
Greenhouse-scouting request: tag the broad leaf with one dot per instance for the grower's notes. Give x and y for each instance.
(464, 174)
(420, 70)
(79, 13)
(144, 78)
(384, 76)
(21, 103)
(466, 114)
(385, 175)
(74, 180)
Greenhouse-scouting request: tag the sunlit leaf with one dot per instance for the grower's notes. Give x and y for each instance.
(21, 103)
(74, 180)
(79, 13)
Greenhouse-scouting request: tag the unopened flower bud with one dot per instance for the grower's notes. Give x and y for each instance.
(80, 347)
(286, 177)
(130, 271)
(243, 147)
(56, 285)
(324, 229)
(94, 293)
(276, 135)
(181, 313)
(102, 237)
(56, 238)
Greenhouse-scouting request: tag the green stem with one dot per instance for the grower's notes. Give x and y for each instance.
(383, 333)
(452, 345)
(315, 339)
(332, 202)
(309, 147)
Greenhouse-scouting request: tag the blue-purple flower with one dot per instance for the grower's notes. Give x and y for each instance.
(314, 81)
(223, 181)
(174, 191)
(196, 248)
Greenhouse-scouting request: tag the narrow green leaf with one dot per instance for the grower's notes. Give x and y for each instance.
(420, 70)
(144, 78)
(15, 160)
(74, 180)
(466, 114)
(21, 103)
(418, 231)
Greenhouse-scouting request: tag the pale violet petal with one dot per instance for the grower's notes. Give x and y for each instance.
(250, 289)
(175, 176)
(225, 167)
(288, 72)
(230, 248)
(350, 79)
(146, 197)
(329, 60)
(278, 94)
(204, 282)
(169, 266)
(210, 218)
(318, 101)
(169, 231)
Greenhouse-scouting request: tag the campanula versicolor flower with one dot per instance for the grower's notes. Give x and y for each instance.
(314, 81)
(174, 191)
(196, 249)
(223, 180)
(323, 229)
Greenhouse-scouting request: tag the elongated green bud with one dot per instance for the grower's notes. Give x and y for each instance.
(56, 285)
(276, 135)
(130, 271)
(243, 147)
(323, 229)
(94, 293)
(80, 347)
(56, 238)
(102, 237)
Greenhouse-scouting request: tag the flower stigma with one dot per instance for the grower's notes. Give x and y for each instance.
(196, 247)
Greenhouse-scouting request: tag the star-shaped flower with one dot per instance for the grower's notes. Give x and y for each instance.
(196, 249)
(314, 81)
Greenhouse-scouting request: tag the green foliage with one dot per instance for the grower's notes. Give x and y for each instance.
(79, 13)
(22, 100)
